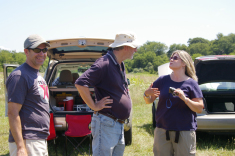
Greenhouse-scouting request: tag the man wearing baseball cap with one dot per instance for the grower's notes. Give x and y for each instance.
(113, 102)
(28, 106)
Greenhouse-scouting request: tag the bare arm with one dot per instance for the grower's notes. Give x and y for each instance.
(16, 128)
(195, 104)
(85, 94)
(149, 99)
(151, 94)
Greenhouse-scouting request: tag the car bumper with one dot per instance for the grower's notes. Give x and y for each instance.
(216, 122)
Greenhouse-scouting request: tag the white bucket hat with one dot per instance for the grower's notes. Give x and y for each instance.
(124, 39)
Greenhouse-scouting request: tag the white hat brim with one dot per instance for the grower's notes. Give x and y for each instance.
(131, 44)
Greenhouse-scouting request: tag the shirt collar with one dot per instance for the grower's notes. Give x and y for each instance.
(112, 56)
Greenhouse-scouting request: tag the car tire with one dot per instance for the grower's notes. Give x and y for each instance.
(153, 115)
(128, 136)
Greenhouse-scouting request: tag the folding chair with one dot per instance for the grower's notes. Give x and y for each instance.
(52, 135)
(78, 126)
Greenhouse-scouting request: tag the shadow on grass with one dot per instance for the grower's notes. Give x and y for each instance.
(60, 146)
(215, 141)
(148, 128)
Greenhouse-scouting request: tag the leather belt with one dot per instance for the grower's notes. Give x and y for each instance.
(112, 117)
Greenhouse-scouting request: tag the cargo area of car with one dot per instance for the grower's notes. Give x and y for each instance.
(64, 96)
(65, 100)
(219, 103)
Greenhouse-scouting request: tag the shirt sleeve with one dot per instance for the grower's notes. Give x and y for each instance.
(156, 84)
(196, 91)
(91, 77)
(16, 89)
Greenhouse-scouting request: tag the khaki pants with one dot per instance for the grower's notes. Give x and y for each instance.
(33, 147)
(185, 147)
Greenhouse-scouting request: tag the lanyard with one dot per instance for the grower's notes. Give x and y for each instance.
(168, 101)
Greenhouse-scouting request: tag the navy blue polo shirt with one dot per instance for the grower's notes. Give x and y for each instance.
(106, 78)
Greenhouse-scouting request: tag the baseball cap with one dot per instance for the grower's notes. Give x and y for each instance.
(33, 41)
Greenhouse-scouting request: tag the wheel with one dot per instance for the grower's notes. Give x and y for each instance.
(153, 115)
(128, 136)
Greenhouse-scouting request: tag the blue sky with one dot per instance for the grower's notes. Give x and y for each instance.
(165, 21)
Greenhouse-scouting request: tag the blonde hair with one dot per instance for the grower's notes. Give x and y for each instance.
(189, 66)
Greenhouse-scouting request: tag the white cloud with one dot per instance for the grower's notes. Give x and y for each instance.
(1, 47)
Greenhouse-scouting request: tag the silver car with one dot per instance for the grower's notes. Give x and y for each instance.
(68, 59)
(216, 79)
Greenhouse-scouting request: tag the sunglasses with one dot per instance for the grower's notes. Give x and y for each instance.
(37, 50)
(174, 58)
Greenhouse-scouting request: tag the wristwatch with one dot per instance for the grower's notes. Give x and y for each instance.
(146, 96)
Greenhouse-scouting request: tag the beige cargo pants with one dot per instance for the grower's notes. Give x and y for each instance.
(185, 147)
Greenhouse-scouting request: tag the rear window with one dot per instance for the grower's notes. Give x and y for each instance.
(63, 72)
(215, 71)
(217, 86)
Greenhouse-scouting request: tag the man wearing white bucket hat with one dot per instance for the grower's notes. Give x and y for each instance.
(113, 105)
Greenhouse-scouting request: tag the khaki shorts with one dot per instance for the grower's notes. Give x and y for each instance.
(33, 147)
(185, 147)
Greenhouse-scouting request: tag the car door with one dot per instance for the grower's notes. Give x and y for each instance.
(7, 69)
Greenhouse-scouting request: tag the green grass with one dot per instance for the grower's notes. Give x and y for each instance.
(142, 142)
(4, 130)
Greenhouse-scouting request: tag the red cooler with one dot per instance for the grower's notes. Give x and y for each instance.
(69, 103)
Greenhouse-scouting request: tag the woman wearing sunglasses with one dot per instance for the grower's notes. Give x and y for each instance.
(176, 113)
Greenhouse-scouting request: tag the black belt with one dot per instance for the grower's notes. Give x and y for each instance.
(177, 135)
(112, 117)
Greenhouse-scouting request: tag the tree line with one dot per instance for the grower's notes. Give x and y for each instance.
(13, 57)
(151, 54)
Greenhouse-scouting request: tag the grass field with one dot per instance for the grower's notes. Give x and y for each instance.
(207, 145)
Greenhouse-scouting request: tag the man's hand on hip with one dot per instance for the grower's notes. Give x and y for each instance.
(99, 105)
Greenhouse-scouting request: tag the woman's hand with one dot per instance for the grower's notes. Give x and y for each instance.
(180, 93)
(152, 91)
(195, 104)
(151, 94)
